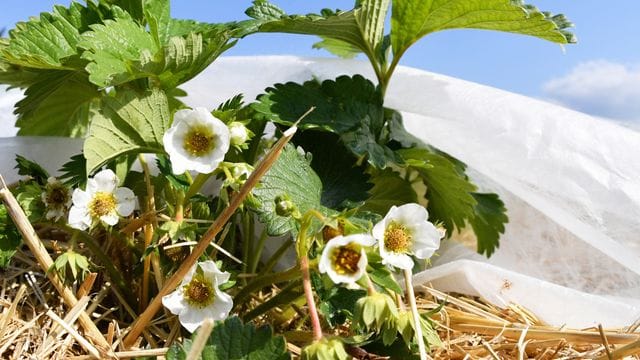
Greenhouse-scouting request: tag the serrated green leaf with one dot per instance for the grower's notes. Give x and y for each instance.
(49, 42)
(56, 105)
(233, 340)
(119, 51)
(381, 276)
(74, 171)
(127, 123)
(349, 106)
(449, 192)
(413, 19)
(29, 168)
(342, 180)
(370, 16)
(291, 176)
(10, 238)
(389, 189)
(179, 182)
(488, 222)
(158, 15)
(29, 196)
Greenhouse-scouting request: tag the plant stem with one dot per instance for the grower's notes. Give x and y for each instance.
(308, 293)
(417, 324)
(264, 281)
(148, 234)
(197, 184)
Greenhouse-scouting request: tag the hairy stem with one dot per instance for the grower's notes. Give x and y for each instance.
(308, 293)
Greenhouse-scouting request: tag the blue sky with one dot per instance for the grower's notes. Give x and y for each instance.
(600, 75)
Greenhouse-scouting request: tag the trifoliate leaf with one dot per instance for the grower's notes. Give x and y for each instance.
(233, 340)
(448, 191)
(119, 51)
(29, 168)
(389, 189)
(413, 19)
(488, 222)
(57, 104)
(128, 122)
(342, 180)
(10, 238)
(291, 177)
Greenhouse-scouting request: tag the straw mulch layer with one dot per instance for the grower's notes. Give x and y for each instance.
(35, 324)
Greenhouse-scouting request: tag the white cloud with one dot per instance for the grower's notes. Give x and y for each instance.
(601, 88)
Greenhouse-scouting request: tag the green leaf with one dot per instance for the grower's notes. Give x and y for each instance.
(57, 104)
(74, 171)
(179, 182)
(370, 16)
(342, 180)
(10, 238)
(291, 176)
(233, 340)
(127, 123)
(488, 222)
(158, 15)
(449, 192)
(389, 189)
(119, 51)
(413, 19)
(29, 196)
(338, 48)
(29, 168)
(381, 276)
(186, 57)
(349, 106)
(49, 42)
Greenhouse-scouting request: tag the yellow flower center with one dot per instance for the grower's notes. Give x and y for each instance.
(199, 141)
(103, 203)
(345, 259)
(199, 292)
(397, 238)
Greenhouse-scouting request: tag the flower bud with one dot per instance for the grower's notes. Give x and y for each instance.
(285, 207)
(325, 349)
(375, 313)
(239, 133)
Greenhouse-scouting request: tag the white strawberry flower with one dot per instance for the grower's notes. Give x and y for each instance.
(103, 201)
(199, 296)
(405, 232)
(344, 258)
(196, 141)
(56, 198)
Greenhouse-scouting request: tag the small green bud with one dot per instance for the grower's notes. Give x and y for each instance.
(239, 134)
(375, 313)
(325, 349)
(285, 207)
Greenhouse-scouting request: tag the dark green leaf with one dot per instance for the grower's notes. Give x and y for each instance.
(29, 168)
(389, 189)
(10, 238)
(488, 222)
(233, 340)
(74, 171)
(179, 182)
(448, 191)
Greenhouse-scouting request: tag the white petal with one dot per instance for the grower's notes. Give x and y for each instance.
(426, 240)
(411, 213)
(110, 219)
(191, 318)
(211, 271)
(221, 306)
(80, 198)
(174, 301)
(104, 181)
(79, 218)
(125, 201)
(401, 261)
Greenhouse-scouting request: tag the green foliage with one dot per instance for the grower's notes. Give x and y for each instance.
(74, 172)
(231, 339)
(71, 266)
(336, 304)
(29, 168)
(58, 104)
(127, 123)
(10, 238)
(29, 196)
(389, 189)
(348, 106)
(178, 182)
(413, 19)
(488, 222)
(291, 176)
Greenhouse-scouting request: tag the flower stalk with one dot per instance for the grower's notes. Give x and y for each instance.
(308, 293)
(416, 315)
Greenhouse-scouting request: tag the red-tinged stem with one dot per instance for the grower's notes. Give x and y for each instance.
(308, 293)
